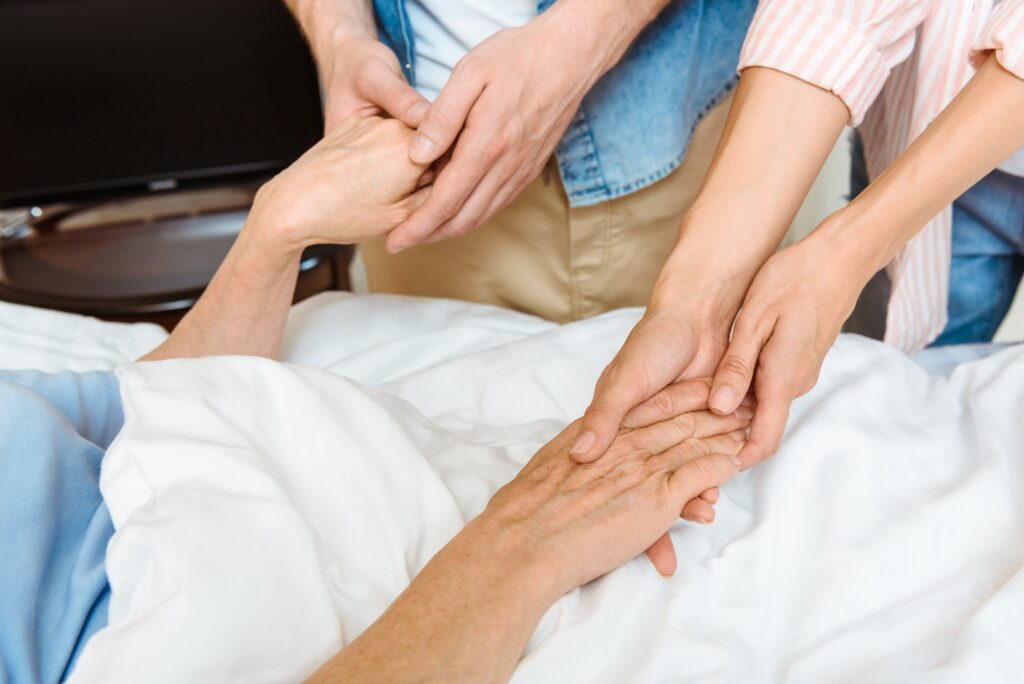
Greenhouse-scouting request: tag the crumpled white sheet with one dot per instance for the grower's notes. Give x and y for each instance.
(267, 513)
(52, 341)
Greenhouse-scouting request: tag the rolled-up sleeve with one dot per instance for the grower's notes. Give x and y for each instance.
(848, 47)
(1004, 35)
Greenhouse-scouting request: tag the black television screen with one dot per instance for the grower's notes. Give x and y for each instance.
(107, 97)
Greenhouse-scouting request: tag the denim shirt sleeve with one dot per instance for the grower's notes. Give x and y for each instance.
(635, 125)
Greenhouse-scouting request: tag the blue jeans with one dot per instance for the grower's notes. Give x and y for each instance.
(987, 258)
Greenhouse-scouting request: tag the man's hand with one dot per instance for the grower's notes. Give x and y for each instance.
(355, 184)
(362, 76)
(505, 108)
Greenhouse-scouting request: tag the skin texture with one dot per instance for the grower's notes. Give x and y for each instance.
(798, 302)
(468, 615)
(556, 526)
(500, 115)
(792, 311)
(355, 184)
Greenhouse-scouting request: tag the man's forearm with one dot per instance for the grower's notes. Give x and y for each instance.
(245, 307)
(325, 22)
(779, 132)
(980, 129)
(602, 30)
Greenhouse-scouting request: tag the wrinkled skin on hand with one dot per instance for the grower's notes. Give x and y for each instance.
(355, 184)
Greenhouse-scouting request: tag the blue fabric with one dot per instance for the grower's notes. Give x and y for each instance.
(987, 258)
(54, 526)
(987, 252)
(635, 125)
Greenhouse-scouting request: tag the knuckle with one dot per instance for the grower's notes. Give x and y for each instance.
(449, 207)
(736, 365)
(703, 471)
(437, 121)
(629, 473)
(492, 148)
(697, 446)
(687, 423)
(663, 403)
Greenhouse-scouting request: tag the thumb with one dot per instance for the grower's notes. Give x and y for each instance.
(444, 119)
(614, 396)
(736, 370)
(394, 95)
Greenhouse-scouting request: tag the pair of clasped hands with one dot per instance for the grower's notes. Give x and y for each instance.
(419, 173)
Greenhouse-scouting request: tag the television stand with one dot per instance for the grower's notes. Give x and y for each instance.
(139, 259)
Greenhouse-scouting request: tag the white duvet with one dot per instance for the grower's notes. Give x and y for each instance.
(267, 513)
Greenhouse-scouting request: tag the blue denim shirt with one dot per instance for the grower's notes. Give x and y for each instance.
(634, 126)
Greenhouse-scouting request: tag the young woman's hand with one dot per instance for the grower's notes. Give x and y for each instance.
(792, 314)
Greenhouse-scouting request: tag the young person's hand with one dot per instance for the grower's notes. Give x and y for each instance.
(362, 76)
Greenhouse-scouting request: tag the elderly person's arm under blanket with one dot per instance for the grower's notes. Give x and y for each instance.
(468, 615)
(355, 184)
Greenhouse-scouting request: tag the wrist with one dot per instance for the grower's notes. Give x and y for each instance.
(708, 284)
(524, 563)
(842, 240)
(600, 32)
(331, 26)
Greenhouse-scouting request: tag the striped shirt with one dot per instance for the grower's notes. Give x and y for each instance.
(896, 64)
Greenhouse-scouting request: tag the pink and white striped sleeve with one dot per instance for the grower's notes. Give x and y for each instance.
(1004, 33)
(848, 47)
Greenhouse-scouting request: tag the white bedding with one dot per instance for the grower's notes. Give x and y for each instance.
(266, 513)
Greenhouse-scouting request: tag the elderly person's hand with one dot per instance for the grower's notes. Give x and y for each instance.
(355, 184)
(504, 109)
(467, 616)
(360, 74)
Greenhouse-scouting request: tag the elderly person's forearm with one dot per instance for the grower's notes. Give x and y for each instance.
(468, 616)
(355, 184)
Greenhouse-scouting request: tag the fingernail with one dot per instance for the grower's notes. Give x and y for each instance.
(422, 148)
(722, 399)
(744, 413)
(739, 435)
(583, 443)
(418, 110)
(736, 460)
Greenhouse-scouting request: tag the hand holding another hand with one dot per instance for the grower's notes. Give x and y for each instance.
(584, 520)
(362, 77)
(355, 184)
(496, 123)
(792, 315)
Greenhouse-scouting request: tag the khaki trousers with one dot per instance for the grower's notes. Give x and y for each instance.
(543, 257)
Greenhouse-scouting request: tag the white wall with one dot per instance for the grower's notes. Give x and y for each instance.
(829, 193)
